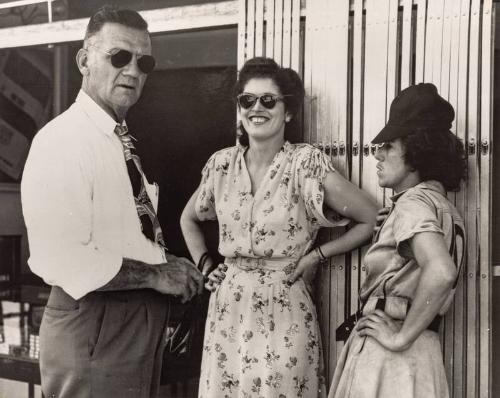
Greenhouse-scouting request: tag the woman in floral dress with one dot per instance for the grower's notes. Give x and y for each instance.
(262, 337)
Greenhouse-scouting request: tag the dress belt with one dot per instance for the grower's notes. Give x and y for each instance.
(255, 263)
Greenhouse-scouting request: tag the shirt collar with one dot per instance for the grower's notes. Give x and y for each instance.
(433, 185)
(102, 120)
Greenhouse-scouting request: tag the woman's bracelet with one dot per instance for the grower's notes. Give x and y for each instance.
(320, 254)
(203, 259)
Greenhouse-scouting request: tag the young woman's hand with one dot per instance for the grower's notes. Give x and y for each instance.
(383, 329)
(214, 278)
(382, 215)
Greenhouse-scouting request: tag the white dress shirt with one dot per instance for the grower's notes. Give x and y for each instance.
(78, 204)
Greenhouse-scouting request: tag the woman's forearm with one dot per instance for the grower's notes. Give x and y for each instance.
(194, 238)
(435, 283)
(355, 237)
(348, 200)
(431, 293)
(192, 232)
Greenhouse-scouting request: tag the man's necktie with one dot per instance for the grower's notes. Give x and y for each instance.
(149, 221)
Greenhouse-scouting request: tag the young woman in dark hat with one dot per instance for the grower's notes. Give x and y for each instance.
(394, 350)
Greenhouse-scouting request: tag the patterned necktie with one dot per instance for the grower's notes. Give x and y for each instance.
(150, 225)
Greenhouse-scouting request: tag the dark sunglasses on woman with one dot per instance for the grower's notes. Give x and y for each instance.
(268, 101)
(146, 63)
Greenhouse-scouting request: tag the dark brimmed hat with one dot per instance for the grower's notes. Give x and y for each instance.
(416, 107)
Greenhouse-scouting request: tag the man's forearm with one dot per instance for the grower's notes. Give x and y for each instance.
(133, 274)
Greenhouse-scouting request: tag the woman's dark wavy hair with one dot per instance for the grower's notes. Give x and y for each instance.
(288, 82)
(436, 155)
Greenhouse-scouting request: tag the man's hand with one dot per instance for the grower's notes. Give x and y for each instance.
(179, 277)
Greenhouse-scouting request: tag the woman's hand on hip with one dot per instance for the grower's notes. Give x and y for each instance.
(383, 329)
(306, 268)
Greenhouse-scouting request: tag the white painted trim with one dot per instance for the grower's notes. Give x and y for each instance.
(20, 3)
(161, 20)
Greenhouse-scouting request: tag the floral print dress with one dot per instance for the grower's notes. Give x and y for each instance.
(262, 337)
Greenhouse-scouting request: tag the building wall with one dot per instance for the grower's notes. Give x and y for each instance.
(351, 77)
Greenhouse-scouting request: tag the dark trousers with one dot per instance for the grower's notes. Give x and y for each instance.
(107, 344)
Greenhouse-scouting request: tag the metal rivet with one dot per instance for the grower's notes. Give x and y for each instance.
(485, 147)
(341, 148)
(334, 148)
(355, 149)
(472, 146)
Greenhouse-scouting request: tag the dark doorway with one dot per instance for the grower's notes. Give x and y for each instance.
(183, 117)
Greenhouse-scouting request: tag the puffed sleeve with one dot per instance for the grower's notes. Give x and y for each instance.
(413, 214)
(313, 166)
(205, 203)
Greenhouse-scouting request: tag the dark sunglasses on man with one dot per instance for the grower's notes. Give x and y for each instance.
(121, 58)
(268, 101)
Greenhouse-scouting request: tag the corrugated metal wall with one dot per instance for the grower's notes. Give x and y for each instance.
(355, 56)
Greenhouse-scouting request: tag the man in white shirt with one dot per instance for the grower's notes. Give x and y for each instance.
(102, 334)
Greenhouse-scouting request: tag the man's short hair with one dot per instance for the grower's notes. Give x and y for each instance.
(112, 14)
